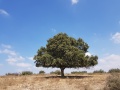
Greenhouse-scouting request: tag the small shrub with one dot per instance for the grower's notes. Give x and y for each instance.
(41, 72)
(114, 71)
(26, 73)
(113, 82)
(78, 72)
(56, 72)
(99, 71)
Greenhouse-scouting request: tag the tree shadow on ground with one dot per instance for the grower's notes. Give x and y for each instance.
(69, 77)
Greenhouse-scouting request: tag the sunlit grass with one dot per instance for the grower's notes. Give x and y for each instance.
(53, 82)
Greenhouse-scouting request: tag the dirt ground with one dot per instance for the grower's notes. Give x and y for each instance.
(53, 82)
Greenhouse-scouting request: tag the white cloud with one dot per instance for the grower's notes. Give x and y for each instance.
(6, 46)
(109, 62)
(17, 61)
(88, 54)
(74, 1)
(30, 58)
(116, 37)
(23, 64)
(13, 59)
(6, 49)
(9, 52)
(3, 12)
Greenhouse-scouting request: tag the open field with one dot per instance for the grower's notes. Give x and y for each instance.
(53, 82)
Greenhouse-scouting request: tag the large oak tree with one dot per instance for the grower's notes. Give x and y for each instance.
(63, 51)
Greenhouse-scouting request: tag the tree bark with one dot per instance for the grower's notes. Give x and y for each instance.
(62, 72)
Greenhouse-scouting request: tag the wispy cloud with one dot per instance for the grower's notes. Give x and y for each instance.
(74, 1)
(3, 12)
(108, 62)
(8, 52)
(116, 37)
(23, 64)
(13, 59)
(6, 46)
(30, 58)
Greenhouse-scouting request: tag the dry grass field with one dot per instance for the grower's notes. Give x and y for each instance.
(53, 82)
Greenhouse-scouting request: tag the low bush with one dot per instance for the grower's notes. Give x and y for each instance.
(113, 82)
(114, 71)
(41, 72)
(99, 71)
(12, 74)
(26, 73)
(56, 72)
(78, 72)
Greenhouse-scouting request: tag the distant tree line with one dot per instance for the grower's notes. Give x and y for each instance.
(58, 72)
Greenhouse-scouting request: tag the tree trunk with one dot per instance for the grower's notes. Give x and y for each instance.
(62, 72)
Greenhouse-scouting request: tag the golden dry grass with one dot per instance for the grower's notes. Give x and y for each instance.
(48, 82)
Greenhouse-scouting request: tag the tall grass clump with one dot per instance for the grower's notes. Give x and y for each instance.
(113, 82)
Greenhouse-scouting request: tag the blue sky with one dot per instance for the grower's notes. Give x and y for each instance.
(26, 25)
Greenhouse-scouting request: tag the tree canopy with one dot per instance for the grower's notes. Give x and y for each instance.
(63, 51)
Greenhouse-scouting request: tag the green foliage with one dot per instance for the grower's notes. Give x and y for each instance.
(41, 72)
(78, 72)
(56, 72)
(63, 51)
(99, 71)
(113, 82)
(26, 73)
(114, 70)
